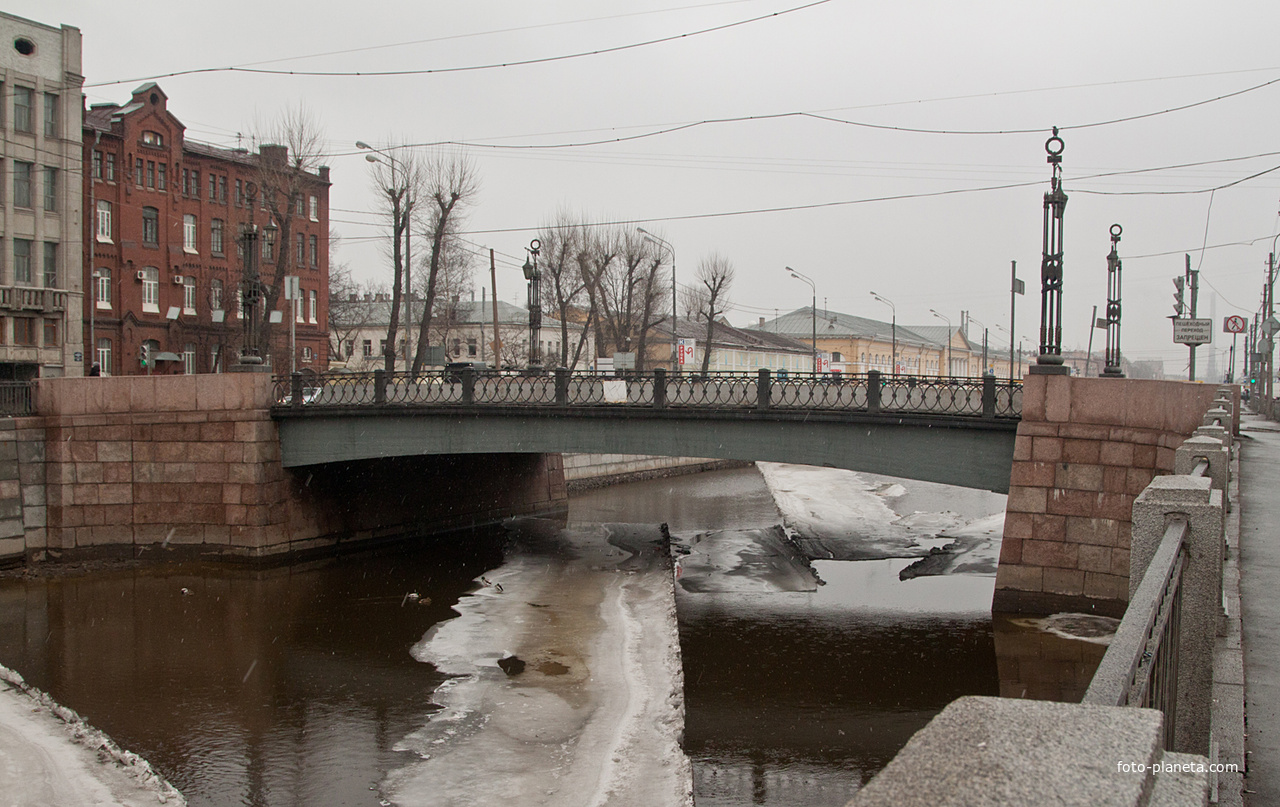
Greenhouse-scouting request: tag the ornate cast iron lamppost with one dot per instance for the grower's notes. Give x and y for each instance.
(1112, 369)
(251, 286)
(1049, 362)
(532, 275)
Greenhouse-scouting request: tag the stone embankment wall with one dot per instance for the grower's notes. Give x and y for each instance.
(1085, 449)
(114, 465)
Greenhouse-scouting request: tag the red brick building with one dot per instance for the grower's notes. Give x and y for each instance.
(163, 259)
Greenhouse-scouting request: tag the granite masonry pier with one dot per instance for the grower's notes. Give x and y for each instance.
(112, 466)
(1085, 449)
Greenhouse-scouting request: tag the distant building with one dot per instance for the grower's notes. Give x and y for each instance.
(40, 243)
(163, 248)
(736, 350)
(463, 331)
(860, 345)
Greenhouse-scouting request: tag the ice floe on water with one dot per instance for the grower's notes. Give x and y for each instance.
(593, 711)
(843, 515)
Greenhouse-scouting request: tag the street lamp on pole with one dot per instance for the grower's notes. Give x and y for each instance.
(1008, 333)
(813, 311)
(648, 236)
(893, 326)
(985, 332)
(949, 335)
(93, 320)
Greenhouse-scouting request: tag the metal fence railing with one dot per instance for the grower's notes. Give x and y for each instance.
(17, 398)
(1140, 668)
(987, 397)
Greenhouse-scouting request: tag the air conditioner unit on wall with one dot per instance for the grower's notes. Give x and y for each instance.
(178, 280)
(142, 275)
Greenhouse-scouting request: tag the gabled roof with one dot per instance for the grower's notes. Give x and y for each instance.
(377, 312)
(727, 336)
(836, 325)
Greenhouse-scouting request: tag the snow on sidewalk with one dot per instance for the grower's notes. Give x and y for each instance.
(50, 756)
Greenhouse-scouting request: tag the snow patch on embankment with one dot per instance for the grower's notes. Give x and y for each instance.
(50, 755)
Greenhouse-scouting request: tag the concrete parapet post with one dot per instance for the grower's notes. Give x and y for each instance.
(1193, 449)
(1191, 498)
(1217, 433)
(873, 391)
(468, 375)
(379, 386)
(1217, 416)
(660, 388)
(988, 396)
(562, 386)
(764, 389)
(998, 751)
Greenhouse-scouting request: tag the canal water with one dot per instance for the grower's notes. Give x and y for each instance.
(300, 685)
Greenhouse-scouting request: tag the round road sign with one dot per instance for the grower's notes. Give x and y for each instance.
(1234, 324)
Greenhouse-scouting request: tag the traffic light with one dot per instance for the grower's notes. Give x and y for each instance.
(1179, 283)
(144, 355)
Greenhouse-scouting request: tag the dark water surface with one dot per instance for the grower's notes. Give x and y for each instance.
(293, 685)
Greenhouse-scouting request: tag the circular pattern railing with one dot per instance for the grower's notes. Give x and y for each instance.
(989, 397)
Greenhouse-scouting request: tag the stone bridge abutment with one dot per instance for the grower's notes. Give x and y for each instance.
(191, 464)
(1085, 449)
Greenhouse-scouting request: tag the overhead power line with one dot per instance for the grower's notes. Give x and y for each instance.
(467, 68)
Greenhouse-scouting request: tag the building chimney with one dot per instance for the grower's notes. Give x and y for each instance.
(324, 173)
(762, 322)
(273, 154)
(351, 298)
(367, 296)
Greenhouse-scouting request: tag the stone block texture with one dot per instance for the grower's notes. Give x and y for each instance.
(194, 461)
(1085, 449)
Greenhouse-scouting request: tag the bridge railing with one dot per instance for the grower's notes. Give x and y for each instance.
(873, 392)
(1140, 667)
(17, 398)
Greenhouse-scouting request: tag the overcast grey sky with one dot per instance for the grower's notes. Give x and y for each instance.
(977, 66)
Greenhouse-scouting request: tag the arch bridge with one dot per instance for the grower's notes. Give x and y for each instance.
(955, 431)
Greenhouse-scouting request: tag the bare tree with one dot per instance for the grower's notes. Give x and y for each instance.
(449, 185)
(631, 287)
(349, 314)
(708, 298)
(290, 150)
(563, 287)
(398, 183)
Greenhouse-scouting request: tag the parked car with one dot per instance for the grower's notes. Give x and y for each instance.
(453, 370)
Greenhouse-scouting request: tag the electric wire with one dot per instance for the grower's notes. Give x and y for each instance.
(468, 68)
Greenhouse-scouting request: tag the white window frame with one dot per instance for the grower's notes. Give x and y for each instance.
(189, 297)
(312, 297)
(315, 208)
(215, 294)
(151, 290)
(189, 226)
(104, 355)
(103, 285)
(189, 358)
(104, 222)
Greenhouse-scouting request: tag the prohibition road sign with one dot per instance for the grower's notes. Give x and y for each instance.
(1234, 324)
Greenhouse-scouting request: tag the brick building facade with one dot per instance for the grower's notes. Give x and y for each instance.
(163, 259)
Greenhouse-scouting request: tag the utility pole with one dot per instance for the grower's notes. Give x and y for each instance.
(497, 335)
(1016, 287)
